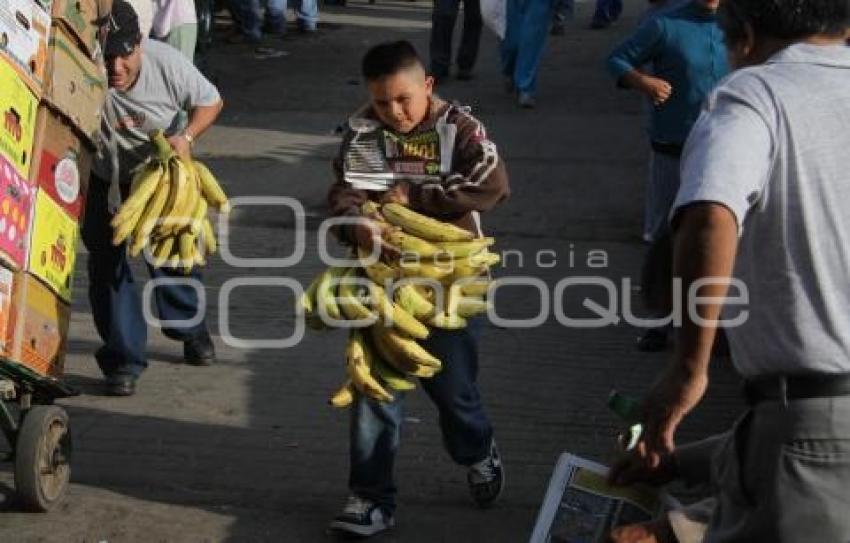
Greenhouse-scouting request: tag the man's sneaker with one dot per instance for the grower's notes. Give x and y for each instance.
(487, 478)
(362, 517)
(199, 351)
(526, 100)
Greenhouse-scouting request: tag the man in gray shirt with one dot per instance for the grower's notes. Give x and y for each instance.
(765, 198)
(152, 86)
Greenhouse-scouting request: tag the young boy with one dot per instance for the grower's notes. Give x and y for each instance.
(685, 48)
(410, 147)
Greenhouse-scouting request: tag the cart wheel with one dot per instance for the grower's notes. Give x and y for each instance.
(42, 457)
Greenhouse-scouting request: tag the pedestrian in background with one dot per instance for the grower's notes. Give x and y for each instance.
(443, 19)
(685, 50)
(607, 12)
(176, 23)
(254, 21)
(528, 24)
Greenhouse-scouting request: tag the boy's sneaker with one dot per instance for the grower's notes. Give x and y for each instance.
(487, 478)
(362, 517)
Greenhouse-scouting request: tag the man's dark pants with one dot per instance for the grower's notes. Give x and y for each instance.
(443, 20)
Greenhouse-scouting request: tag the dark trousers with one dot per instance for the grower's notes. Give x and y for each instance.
(443, 19)
(607, 11)
(375, 426)
(116, 303)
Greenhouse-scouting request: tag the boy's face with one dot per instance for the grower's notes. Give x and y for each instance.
(711, 5)
(401, 100)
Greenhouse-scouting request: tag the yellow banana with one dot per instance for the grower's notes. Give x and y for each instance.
(393, 314)
(461, 249)
(425, 227)
(469, 306)
(407, 244)
(145, 185)
(350, 301)
(409, 298)
(405, 347)
(394, 379)
(478, 287)
(186, 246)
(210, 188)
(173, 217)
(308, 298)
(198, 216)
(343, 397)
(210, 242)
(163, 251)
(360, 372)
(379, 272)
(446, 321)
(427, 270)
(326, 293)
(484, 259)
(148, 220)
(123, 230)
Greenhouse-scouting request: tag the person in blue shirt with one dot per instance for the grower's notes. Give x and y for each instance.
(686, 54)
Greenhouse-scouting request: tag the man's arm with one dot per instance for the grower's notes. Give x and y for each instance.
(200, 119)
(706, 242)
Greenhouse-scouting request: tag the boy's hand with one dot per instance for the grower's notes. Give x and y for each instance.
(658, 90)
(368, 235)
(399, 194)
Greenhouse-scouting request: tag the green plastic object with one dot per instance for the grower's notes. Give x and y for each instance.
(627, 409)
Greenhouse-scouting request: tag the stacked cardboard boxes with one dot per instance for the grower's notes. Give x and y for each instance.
(52, 87)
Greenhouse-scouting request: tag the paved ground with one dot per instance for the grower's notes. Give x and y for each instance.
(248, 450)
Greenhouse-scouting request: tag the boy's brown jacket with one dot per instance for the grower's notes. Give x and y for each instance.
(477, 180)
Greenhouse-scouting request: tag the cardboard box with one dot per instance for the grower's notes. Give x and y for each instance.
(79, 18)
(53, 245)
(38, 327)
(24, 29)
(6, 288)
(76, 85)
(16, 205)
(18, 108)
(61, 161)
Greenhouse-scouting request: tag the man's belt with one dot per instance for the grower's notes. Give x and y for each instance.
(784, 388)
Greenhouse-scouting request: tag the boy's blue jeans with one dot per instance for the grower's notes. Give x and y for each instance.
(527, 26)
(115, 301)
(467, 432)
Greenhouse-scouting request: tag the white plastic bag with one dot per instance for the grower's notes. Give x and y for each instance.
(495, 14)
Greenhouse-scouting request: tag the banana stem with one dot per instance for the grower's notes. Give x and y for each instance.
(163, 148)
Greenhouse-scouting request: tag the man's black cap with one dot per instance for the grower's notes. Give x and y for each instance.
(123, 27)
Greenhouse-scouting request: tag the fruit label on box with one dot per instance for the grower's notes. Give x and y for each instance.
(16, 201)
(18, 108)
(24, 29)
(38, 327)
(66, 179)
(53, 245)
(6, 283)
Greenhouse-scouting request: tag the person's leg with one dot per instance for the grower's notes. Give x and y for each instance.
(115, 302)
(374, 440)
(467, 432)
(307, 14)
(275, 19)
(509, 47)
(251, 19)
(179, 302)
(443, 17)
(535, 28)
(184, 38)
(471, 38)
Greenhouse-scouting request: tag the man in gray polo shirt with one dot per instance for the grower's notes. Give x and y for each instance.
(765, 199)
(152, 86)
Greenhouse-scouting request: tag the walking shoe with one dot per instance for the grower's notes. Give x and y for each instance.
(487, 478)
(526, 100)
(121, 384)
(199, 351)
(363, 518)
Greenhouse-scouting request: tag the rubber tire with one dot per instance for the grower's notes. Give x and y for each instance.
(30, 453)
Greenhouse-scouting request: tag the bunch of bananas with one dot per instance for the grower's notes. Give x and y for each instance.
(438, 277)
(166, 210)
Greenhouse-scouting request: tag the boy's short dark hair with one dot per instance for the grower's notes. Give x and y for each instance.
(390, 58)
(783, 19)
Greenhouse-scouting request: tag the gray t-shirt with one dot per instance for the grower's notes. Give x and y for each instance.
(773, 146)
(168, 86)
